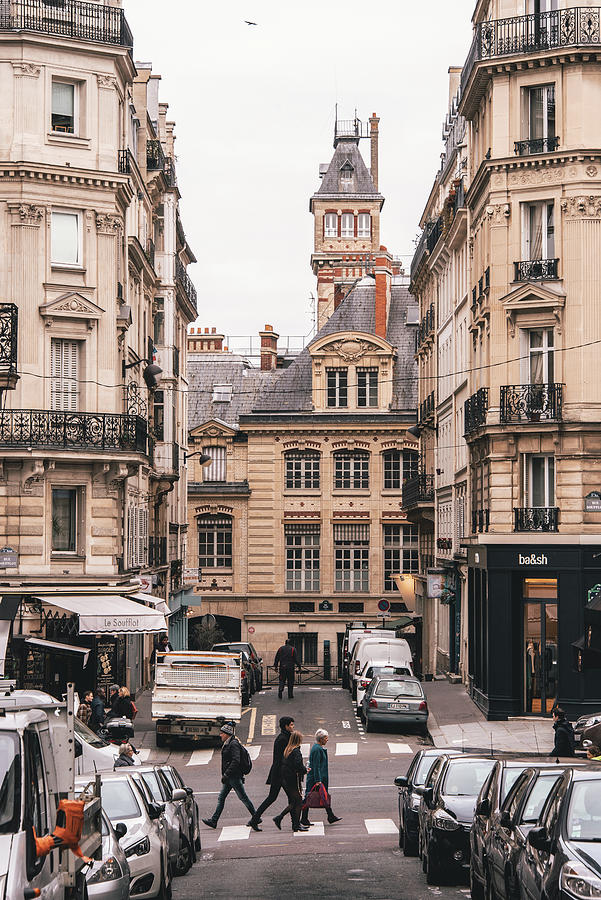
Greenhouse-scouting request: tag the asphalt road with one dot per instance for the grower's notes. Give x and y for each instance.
(357, 857)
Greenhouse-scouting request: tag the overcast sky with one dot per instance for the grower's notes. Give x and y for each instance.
(255, 109)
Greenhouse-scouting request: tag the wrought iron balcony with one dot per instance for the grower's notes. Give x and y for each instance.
(124, 162)
(68, 18)
(419, 489)
(480, 520)
(536, 145)
(155, 157)
(177, 573)
(185, 281)
(535, 269)
(420, 251)
(72, 430)
(434, 234)
(170, 173)
(426, 326)
(426, 408)
(9, 320)
(150, 251)
(475, 409)
(531, 402)
(536, 518)
(579, 26)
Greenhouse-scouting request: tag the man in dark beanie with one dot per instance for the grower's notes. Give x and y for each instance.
(231, 774)
(274, 779)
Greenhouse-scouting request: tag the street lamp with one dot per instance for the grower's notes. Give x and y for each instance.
(203, 458)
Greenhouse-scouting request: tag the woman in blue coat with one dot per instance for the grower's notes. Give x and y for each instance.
(318, 772)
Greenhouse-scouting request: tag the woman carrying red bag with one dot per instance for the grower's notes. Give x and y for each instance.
(318, 774)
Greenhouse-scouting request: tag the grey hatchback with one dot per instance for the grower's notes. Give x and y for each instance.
(395, 701)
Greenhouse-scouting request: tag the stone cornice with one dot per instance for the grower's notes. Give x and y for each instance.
(85, 178)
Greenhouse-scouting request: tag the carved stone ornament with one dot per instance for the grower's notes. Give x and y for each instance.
(351, 350)
(107, 224)
(498, 213)
(22, 69)
(582, 207)
(591, 171)
(30, 214)
(106, 81)
(537, 176)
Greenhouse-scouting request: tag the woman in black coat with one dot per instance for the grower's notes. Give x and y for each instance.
(293, 772)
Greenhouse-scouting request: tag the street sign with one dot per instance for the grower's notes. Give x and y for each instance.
(385, 615)
(592, 502)
(251, 629)
(9, 558)
(384, 605)
(326, 606)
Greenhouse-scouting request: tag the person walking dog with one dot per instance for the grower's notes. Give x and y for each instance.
(233, 769)
(286, 658)
(274, 779)
(293, 772)
(318, 772)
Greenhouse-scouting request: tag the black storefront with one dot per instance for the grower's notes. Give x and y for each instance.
(526, 610)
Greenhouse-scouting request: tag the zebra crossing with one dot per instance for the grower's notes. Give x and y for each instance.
(203, 757)
(230, 833)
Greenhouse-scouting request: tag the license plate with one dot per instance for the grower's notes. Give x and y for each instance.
(195, 729)
(398, 706)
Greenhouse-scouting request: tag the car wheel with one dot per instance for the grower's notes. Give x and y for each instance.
(433, 869)
(164, 887)
(476, 889)
(160, 740)
(183, 861)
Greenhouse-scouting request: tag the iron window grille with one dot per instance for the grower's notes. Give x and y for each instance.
(302, 469)
(351, 469)
(302, 557)
(215, 542)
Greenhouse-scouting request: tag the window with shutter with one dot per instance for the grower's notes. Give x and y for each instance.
(142, 537)
(64, 371)
(216, 469)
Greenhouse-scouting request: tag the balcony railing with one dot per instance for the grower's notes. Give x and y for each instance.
(157, 551)
(150, 251)
(536, 145)
(531, 402)
(426, 326)
(170, 173)
(434, 234)
(536, 518)
(124, 162)
(68, 18)
(579, 26)
(155, 157)
(535, 269)
(419, 489)
(420, 252)
(475, 409)
(185, 281)
(480, 520)
(426, 408)
(72, 430)
(9, 319)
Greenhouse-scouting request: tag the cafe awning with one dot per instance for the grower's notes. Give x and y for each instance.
(55, 647)
(156, 602)
(108, 613)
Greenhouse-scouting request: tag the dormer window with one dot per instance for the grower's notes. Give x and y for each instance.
(222, 393)
(337, 387)
(346, 177)
(367, 387)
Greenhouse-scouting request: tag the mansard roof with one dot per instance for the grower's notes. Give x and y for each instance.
(347, 152)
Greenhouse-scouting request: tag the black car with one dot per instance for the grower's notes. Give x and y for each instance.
(488, 805)
(409, 801)
(562, 858)
(588, 728)
(447, 812)
(256, 662)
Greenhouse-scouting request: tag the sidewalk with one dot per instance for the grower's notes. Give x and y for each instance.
(455, 721)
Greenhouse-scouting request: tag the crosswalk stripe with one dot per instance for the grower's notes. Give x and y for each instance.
(316, 830)
(380, 826)
(200, 758)
(144, 753)
(346, 749)
(399, 748)
(253, 752)
(234, 833)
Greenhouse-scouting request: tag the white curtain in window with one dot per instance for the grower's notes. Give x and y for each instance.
(63, 98)
(65, 238)
(64, 365)
(216, 469)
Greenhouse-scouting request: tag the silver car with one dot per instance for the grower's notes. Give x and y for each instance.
(175, 781)
(395, 701)
(181, 849)
(142, 832)
(108, 878)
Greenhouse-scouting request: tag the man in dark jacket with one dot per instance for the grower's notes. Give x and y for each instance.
(231, 775)
(97, 717)
(564, 735)
(274, 779)
(286, 659)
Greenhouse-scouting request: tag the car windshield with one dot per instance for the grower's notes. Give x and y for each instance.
(152, 783)
(584, 813)
(10, 782)
(86, 734)
(398, 689)
(119, 800)
(423, 768)
(464, 778)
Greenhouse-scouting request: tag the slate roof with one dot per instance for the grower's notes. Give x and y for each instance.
(207, 369)
(330, 184)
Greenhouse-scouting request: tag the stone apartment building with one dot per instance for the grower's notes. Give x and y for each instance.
(92, 489)
(297, 524)
(528, 93)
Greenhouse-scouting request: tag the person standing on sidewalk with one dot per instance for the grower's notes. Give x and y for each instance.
(286, 658)
(565, 743)
(318, 772)
(231, 775)
(293, 772)
(274, 779)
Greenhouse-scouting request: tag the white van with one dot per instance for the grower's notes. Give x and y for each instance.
(392, 650)
(353, 634)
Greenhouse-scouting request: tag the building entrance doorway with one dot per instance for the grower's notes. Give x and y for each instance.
(541, 673)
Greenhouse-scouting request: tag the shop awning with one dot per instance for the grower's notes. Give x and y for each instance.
(54, 647)
(108, 613)
(156, 602)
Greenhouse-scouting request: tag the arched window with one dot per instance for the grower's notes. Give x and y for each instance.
(214, 542)
(351, 469)
(331, 225)
(301, 469)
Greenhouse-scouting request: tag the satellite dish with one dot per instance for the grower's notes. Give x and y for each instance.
(208, 620)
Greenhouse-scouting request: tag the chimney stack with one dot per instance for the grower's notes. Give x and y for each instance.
(373, 135)
(269, 349)
(383, 273)
(205, 342)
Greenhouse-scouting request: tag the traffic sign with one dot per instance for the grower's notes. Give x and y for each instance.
(384, 605)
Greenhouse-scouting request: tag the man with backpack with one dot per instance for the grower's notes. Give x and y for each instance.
(235, 764)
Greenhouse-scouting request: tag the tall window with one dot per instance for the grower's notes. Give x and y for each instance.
(215, 542)
(539, 480)
(347, 225)
(367, 387)
(63, 107)
(216, 470)
(538, 230)
(158, 405)
(540, 111)
(64, 374)
(137, 536)
(351, 469)
(410, 464)
(540, 348)
(541, 6)
(351, 558)
(331, 225)
(302, 557)
(64, 520)
(65, 239)
(337, 387)
(392, 470)
(400, 553)
(364, 225)
(302, 469)
(305, 645)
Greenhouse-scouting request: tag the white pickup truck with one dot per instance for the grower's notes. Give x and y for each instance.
(195, 691)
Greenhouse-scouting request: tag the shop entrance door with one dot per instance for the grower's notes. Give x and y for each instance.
(540, 645)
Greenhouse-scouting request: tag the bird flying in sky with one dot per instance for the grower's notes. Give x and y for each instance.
(246, 22)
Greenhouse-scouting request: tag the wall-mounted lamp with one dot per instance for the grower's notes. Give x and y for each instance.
(151, 374)
(203, 458)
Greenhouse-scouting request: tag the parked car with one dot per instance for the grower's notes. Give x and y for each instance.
(176, 781)
(370, 670)
(92, 752)
(588, 728)
(255, 660)
(353, 631)
(395, 701)
(141, 830)
(181, 846)
(108, 877)
(409, 800)
(447, 812)
(395, 651)
(563, 853)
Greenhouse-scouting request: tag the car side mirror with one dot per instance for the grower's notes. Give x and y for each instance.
(155, 810)
(483, 807)
(178, 794)
(539, 839)
(505, 820)
(189, 791)
(401, 781)
(120, 830)
(427, 793)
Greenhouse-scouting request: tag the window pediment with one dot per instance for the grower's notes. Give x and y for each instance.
(213, 428)
(533, 300)
(350, 346)
(72, 305)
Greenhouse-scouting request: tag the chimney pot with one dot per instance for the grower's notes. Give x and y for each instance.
(269, 349)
